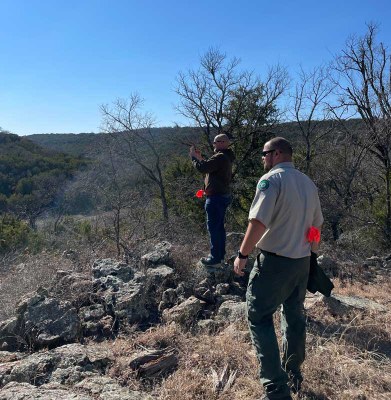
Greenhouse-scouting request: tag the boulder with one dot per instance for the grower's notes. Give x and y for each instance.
(65, 364)
(26, 391)
(160, 255)
(228, 297)
(205, 291)
(72, 286)
(105, 388)
(109, 267)
(91, 388)
(340, 305)
(184, 313)
(40, 321)
(207, 325)
(222, 288)
(169, 299)
(221, 273)
(9, 334)
(125, 294)
(128, 295)
(50, 322)
(231, 311)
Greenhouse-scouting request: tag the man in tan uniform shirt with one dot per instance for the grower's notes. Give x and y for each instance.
(285, 206)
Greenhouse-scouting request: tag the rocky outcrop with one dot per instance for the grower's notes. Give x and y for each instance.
(130, 296)
(185, 313)
(99, 388)
(66, 365)
(232, 311)
(114, 295)
(40, 321)
(160, 255)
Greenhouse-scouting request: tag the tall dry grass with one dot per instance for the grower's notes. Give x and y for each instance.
(348, 357)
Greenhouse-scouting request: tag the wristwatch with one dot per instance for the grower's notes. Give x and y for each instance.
(242, 256)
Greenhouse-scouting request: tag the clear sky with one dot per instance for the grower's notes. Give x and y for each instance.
(61, 59)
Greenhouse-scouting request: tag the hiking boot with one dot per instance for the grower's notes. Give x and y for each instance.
(210, 261)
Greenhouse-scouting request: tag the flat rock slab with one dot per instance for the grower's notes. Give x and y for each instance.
(101, 388)
(339, 304)
(65, 364)
(106, 388)
(25, 391)
(232, 311)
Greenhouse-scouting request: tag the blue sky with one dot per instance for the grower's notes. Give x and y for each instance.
(61, 59)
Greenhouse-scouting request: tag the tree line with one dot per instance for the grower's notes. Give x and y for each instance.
(336, 115)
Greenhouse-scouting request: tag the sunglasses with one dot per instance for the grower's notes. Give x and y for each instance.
(218, 141)
(265, 153)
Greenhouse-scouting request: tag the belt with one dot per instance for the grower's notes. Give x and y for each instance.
(269, 253)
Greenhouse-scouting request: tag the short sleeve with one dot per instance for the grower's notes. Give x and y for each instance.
(262, 207)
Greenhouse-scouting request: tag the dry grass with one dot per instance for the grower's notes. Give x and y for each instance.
(198, 355)
(25, 276)
(348, 357)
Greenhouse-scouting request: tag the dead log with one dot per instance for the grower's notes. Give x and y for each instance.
(154, 363)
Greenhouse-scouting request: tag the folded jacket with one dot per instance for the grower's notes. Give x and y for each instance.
(318, 281)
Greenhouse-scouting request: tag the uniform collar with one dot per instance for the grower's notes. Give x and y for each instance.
(286, 164)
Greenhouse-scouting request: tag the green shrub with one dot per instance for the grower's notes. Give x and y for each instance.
(13, 233)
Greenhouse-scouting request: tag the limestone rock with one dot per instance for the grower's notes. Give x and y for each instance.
(25, 391)
(340, 305)
(231, 311)
(222, 288)
(105, 388)
(207, 325)
(228, 297)
(51, 322)
(169, 299)
(65, 364)
(184, 313)
(72, 286)
(108, 267)
(40, 321)
(221, 273)
(160, 255)
(128, 295)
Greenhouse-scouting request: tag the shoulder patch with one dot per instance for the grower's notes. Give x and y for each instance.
(263, 185)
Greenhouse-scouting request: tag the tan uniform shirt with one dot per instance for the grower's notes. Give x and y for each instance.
(287, 203)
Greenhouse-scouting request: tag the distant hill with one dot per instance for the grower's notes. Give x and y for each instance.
(84, 144)
(70, 143)
(171, 140)
(31, 175)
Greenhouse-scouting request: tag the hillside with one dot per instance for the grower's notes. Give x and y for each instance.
(31, 175)
(85, 144)
(82, 144)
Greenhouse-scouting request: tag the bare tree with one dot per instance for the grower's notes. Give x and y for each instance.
(112, 182)
(343, 179)
(218, 97)
(364, 88)
(310, 109)
(131, 130)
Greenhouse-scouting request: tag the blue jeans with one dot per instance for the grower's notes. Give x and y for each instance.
(215, 207)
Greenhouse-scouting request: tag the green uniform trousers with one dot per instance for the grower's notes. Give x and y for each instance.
(276, 281)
